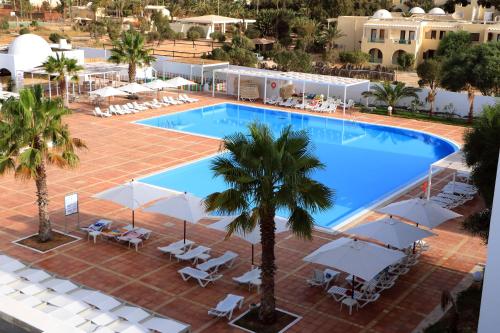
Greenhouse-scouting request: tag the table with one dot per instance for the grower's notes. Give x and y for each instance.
(94, 234)
(136, 242)
(350, 302)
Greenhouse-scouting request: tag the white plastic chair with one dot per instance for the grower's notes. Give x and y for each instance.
(202, 277)
(226, 307)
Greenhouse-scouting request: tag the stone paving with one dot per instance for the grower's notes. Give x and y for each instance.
(119, 151)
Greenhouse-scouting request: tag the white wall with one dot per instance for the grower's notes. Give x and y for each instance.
(91, 52)
(489, 319)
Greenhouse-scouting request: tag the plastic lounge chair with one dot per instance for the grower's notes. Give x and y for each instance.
(117, 111)
(166, 101)
(12, 266)
(28, 288)
(202, 277)
(101, 301)
(5, 259)
(174, 101)
(98, 113)
(183, 99)
(60, 286)
(33, 275)
(194, 254)
(140, 107)
(98, 225)
(98, 317)
(248, 277)
(129, 110)
(285, 102)
(155, 101)
(322, 278)
(6, 278)
(131, 313)
(226, 307)
(178, 247)
(189, 98)
(214, 264)
(348, 105)
(366, 299)
(164, 325)
(152, 106)
(67, 317)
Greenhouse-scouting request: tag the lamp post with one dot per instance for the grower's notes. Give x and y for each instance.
(389, 110)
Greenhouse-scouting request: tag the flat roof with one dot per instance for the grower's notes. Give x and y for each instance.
(92, 68)
(293, 76)
(213, 19)
(198, 61)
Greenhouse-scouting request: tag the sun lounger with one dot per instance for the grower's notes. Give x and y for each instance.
(366, 299)
(152, 106)
(28, 288)
(213, 265)
(192, 99)
(140, 107)
(67, 317)
(99, 113)
(130, 110)
(178, 247)
(248, 277)
(200, 252)
(12, 266)
(60, 286)
(164, 325)
(155, 101)
(286, 102)
(99, 317)
(33, 275)
(202, 277)
(226, 307)
(98, 226)
(173, 101)
(131, 313)
(101, 301)
(348, 105)
(322, 278)
(6, 278)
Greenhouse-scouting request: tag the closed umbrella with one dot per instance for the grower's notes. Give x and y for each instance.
(133, 195)
(391, 231)
(422, 212)
(182, 206)
(355, 257)
(252, 237)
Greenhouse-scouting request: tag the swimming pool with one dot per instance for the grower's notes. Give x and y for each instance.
(364, 163)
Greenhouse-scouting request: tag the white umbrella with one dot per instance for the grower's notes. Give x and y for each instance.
(108, 92)
(420, 211)
(252, 237)
(356, 257)
(134, 88)
(391, 231)
(157, 84)
(182, 206)
(178, 82)
(133, 195)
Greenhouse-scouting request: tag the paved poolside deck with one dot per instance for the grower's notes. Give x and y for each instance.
(119, 150)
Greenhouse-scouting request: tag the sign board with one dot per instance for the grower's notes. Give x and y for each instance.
(71, 204)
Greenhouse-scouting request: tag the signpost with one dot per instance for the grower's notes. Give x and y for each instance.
(71, 208)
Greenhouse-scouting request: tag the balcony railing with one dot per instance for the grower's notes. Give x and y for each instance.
(402, 41)
(376, 40)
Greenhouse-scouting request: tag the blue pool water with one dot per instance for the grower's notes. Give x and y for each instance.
(364, 162)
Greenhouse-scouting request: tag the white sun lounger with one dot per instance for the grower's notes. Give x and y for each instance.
(248, 277)
(28, 288)
(6, 278)
(59, 285)
(191, 99)
(163, 325)
(98, 317)
(67, 317)
(33, 275)
(12, 266)
(194, 254)
(140, 107)
(101, 301)
(214, 264)
(131, 313)
(5, 259)
(174, 101)
(98, 113)
(226, 307)
(178, 247)
(202, 277)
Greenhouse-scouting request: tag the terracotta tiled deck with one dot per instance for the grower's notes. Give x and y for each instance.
(119, 150)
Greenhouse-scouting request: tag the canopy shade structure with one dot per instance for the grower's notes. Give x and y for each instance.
(252, 237)
(182, 206)
(134, 88)
(178, 81)
(303, 78)
(391, 231)
(455, 162)
(213, 19)
(421, 211)
(356, 257)
(133, 195)
(156, 84)
(108, 92)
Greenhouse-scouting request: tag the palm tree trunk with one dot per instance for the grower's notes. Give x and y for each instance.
(62, 87)
(267, 302)
(42, 193)
(431, 98)
(131, 72)
(470, 95)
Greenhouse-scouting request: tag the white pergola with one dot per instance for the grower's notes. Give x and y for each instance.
(304, 78)
(212, 20)
(455, 162)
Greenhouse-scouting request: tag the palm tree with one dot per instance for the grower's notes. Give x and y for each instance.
(330, 35)
(32, 135)
(391, 94)
(62, 67)
(429, 73)
(130, 50)
(264, 175)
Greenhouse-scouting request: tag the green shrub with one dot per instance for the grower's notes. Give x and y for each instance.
(55, 37)
(218, 36)
(195, 32)
(34, 24)
(406, 60)
(4, 24)
(252, 33)
(354, 57)
(24, 31)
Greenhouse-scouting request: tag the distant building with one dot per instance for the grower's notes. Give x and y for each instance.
(386, 35)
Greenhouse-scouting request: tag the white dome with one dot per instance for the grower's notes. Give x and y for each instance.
(417, 10)
(382, 14)
(29, 51)
(436, 11)
(32, 45)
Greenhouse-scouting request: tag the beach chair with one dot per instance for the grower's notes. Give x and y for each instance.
(116, 111)
(174, 101)
(213, 265)
(98, 225)
(131, 313)
(33, 275)
(60, 286)
(12, 266)
(140, 107)
(202, 277)
(248, 277)
(152, 106)
(348, 105)
(164, 325)
(128, 109)
(156, 102)
(200, 252)
(176, 248)
(322, 278)
(99, 113)
(192, 99)
(284, 103)
(226, 307)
